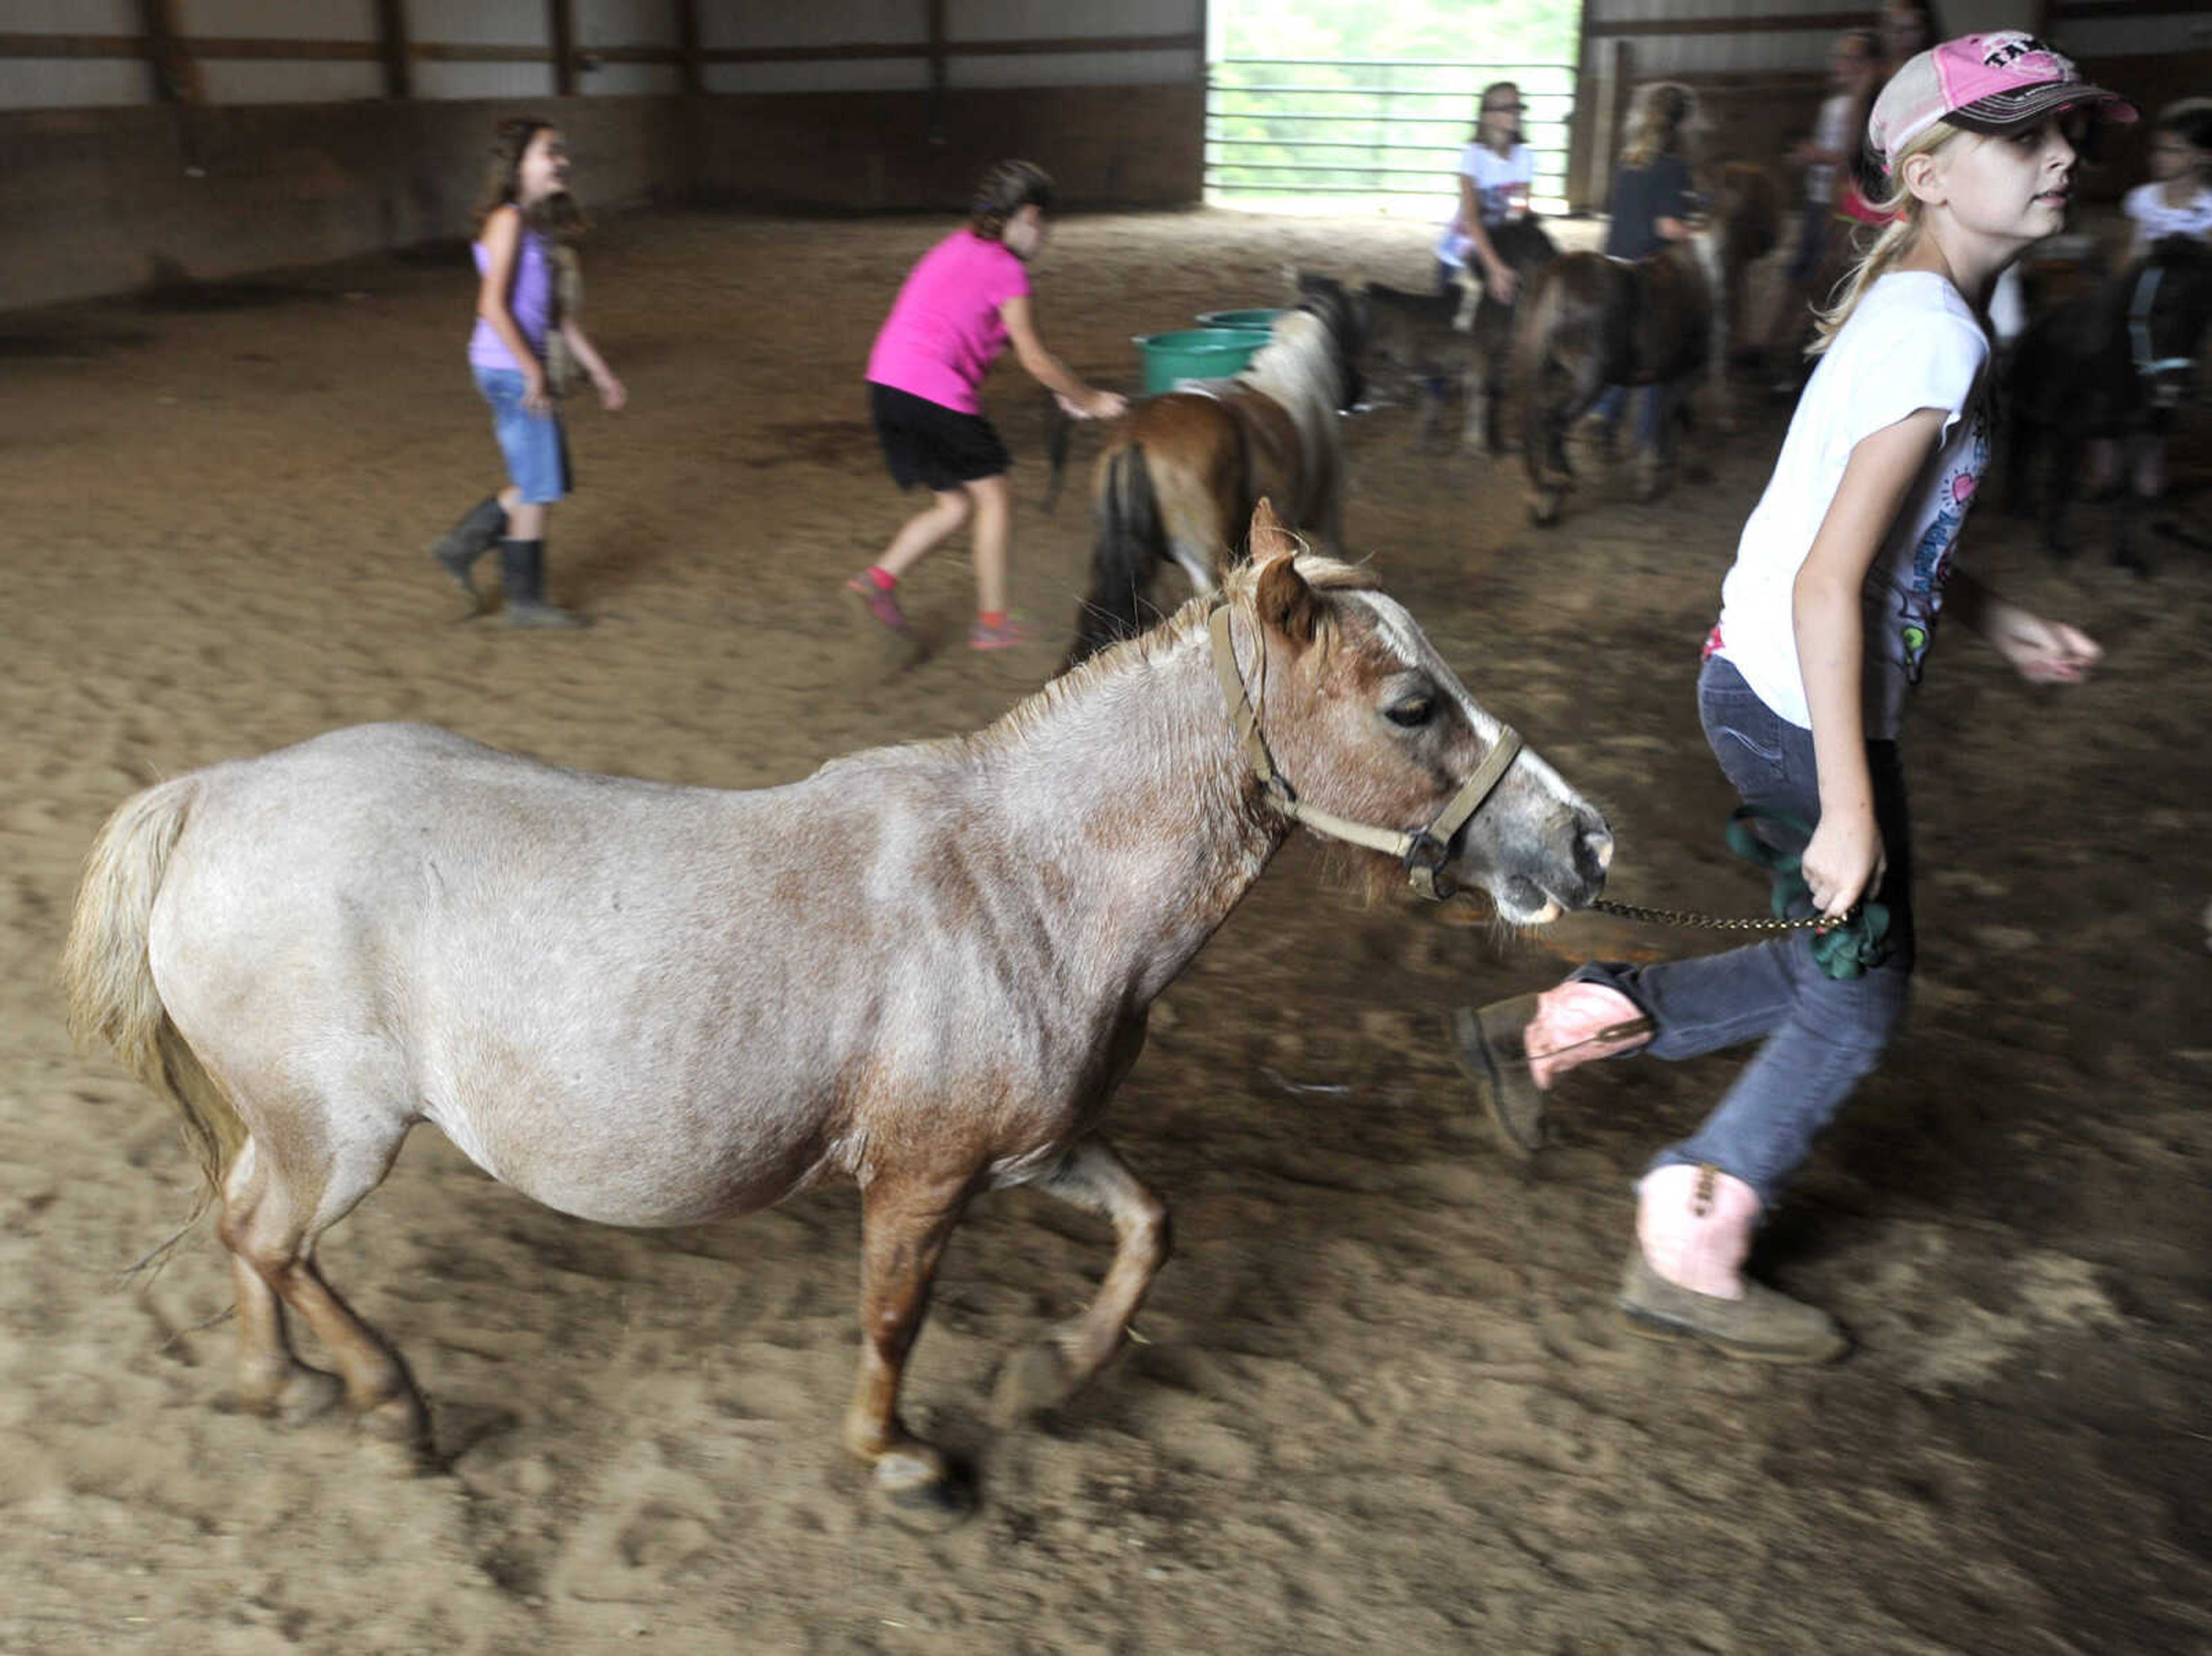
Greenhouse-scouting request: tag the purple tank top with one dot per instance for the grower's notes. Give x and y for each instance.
(530, 300)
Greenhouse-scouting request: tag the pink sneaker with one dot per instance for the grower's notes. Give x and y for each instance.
(880, 603)
(1007, 636)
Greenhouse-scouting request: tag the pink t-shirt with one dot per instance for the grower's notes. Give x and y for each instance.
(945, 330)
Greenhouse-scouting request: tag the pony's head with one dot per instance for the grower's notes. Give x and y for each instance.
(1365, 722)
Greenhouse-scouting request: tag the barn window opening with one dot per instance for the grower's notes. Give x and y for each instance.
(1345, 106)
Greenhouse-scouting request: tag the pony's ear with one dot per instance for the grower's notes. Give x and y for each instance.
(1285, 603)
(1268, 538)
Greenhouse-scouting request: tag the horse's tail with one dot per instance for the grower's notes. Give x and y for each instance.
(112, 999)
(1129, 543)
(1537, 319)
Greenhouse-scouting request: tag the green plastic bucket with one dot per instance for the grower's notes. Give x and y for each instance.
(1196, 354)
(1237, 319)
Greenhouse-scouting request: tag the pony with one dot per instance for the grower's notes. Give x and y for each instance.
(1589, 322)
(925, 968)
(2114, 363)
(1180, 476)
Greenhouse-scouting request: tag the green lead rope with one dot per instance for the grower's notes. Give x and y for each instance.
(1849, 948)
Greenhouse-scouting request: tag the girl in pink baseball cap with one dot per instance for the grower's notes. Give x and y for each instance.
(1826, 618)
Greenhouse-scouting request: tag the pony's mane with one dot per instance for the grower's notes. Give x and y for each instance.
(1240, 584)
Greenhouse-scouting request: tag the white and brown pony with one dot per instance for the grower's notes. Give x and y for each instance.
(924, 968)
(1589, 322)
(1181, 473)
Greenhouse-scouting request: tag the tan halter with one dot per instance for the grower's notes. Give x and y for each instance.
(1424, 851)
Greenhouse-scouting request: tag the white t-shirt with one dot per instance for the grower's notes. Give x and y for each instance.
(1831, 131)
(2147, 206)
(1502, 183)
(1913, 342)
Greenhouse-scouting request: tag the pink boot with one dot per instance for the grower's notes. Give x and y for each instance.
(1513, 1050)
(1685, 1277)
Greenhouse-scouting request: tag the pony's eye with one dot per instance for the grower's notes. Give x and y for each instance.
(1411, 713)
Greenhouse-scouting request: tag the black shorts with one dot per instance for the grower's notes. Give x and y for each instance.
(927, 443)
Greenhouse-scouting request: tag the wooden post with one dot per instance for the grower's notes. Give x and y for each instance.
(933, 115)
(1612, 114)
(687, 46)
(563, 13)
(176, 77)
(391, 44)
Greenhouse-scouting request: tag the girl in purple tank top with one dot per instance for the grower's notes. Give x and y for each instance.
(524, 335)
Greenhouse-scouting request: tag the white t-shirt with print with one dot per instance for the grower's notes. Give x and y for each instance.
(2146, 205)
(1913, 342)
(1502, 183)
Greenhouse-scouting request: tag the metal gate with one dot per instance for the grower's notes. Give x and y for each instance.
(1379, 132)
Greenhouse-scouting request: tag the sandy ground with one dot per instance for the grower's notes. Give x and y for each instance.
(1381, 1404)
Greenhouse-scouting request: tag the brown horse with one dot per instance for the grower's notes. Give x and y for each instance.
(1181, 473)
(925, 969)
(1590, 322)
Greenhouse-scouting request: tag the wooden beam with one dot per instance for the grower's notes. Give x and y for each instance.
(561, 15)
(1825, 22)
(687, 37)
(392, 39)
(1072, 46)
(932, 107)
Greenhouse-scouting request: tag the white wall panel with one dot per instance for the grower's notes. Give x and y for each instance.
(480, 23)
(258, 81)
(855, 75)
(1031, 20)
(824, 22)
(274, 20)
(437, 80)
(631, 81)
(626, 22)
(1073, 69)
(72, 82)
(68, 16)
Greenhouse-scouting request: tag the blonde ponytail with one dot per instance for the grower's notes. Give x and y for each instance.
(1881, 256)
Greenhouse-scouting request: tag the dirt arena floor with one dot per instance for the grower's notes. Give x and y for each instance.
(1381, 1402)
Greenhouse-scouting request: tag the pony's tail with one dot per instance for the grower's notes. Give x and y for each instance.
(1535, 320)
(1127, 547)
(112, 999)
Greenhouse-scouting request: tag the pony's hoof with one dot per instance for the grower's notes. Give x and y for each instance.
(298, 1397)
(921, 1492)
(401, 1421)
(1036, 1379)
(1544, 514)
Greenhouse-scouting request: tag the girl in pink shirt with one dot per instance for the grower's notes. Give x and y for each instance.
(968, 297)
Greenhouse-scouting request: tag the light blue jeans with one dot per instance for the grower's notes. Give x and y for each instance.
(1819, 1035)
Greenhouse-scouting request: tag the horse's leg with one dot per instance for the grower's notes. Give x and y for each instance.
(2065, 477)
(904, 1224)
(1093, 1177)
(274, 1208)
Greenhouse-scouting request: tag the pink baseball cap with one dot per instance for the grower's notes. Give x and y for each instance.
(1994, 82)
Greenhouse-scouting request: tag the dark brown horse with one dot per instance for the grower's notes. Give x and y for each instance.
(1589, 322)
(1183, 472)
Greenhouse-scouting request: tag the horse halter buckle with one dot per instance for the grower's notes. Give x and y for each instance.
(1423, 852)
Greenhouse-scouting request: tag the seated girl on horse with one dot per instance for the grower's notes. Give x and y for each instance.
(1496, 171)
(1825, 619)
(958, 308)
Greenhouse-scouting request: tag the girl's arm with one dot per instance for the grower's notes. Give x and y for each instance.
(2042, 651)
(1048, 371)
(1844, 859)
(1503, 280)
(612, 395)
(502, 246)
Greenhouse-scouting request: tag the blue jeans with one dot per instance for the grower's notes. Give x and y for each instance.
(533, 445)
(1650, 400)
(1819, 1035)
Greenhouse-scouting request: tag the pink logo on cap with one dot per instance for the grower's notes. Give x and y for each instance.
(1978, 66)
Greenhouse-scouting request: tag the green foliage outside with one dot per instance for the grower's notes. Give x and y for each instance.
(1376, 100)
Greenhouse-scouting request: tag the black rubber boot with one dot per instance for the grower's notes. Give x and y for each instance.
(478, 532)
(522, 573)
